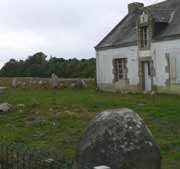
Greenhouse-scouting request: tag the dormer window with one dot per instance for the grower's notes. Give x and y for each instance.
(144, 36)
(144, 18)
(143, 26)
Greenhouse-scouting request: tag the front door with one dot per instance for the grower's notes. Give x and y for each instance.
(147, 77)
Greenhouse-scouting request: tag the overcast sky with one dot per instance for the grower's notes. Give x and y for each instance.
(61, 28)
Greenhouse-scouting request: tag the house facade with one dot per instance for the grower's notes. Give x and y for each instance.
(142, 53)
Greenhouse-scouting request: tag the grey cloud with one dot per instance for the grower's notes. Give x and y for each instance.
(63, 28)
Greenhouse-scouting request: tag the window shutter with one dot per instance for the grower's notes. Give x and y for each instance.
(114, 70)
(173, 73)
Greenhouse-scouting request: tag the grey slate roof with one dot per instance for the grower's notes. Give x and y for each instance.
(125, 34)
(161, 15)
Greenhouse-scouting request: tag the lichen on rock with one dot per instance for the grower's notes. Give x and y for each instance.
(118, 138)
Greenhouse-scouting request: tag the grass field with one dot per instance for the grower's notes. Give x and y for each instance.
(55, 119)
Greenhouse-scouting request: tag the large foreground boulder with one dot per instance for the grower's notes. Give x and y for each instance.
(118, 139)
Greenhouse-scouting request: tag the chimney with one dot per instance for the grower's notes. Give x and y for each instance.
(135, 6)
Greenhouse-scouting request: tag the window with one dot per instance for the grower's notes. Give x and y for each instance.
(144, 36)
(144, 18)
(173, 69)
(120, 69)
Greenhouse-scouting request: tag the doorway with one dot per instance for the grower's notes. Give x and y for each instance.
(147, 81)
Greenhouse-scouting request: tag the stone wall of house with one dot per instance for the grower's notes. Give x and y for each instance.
(158, 53)
(105, 75)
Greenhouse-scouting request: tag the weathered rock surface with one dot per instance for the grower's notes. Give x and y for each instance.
(54, 81)
(14, 83)
(119, 139)
(80, 84)
(4, 107)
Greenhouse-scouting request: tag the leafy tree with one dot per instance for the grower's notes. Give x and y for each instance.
(38, 66)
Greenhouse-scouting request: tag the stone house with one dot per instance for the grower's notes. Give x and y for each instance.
(142, 53)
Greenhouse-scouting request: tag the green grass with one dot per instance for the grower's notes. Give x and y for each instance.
(55, 120)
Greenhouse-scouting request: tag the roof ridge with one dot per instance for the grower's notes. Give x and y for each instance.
(124, 33)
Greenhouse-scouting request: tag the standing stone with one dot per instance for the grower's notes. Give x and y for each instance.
(4, 107)
(40, 82)
(14, 83)
(118, 139)
(80, 84)
(54, 81)
(23, 84)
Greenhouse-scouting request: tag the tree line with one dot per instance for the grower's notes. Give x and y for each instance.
(38, 66)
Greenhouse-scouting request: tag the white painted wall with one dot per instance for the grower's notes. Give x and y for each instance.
(158, 52)
(105, 64)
